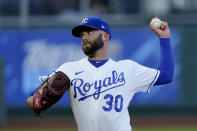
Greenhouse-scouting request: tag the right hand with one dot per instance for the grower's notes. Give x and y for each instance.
(163, 31)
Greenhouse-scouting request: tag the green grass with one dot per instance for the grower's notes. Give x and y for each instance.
(134, 129)
(166, 129)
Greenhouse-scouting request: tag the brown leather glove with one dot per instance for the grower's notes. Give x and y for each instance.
(50, 92)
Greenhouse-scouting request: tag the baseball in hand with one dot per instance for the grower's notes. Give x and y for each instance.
(156, 22)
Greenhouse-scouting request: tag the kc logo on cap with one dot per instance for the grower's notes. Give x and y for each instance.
(84, 21)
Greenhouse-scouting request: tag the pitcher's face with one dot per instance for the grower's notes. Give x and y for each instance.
(91, 41)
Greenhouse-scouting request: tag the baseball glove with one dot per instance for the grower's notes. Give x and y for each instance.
(50, 92)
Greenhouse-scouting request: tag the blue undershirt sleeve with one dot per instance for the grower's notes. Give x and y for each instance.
(166, 66)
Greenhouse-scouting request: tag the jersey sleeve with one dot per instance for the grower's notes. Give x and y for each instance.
(143, 77)
(63, 68)
(67, 68)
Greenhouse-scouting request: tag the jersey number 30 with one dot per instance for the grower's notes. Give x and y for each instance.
(118, 103)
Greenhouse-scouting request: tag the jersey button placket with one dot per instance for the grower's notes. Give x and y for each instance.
(94, 107)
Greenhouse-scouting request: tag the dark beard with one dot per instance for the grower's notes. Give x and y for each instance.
(94, 46)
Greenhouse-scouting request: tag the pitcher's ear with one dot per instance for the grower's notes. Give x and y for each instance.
(106, 36)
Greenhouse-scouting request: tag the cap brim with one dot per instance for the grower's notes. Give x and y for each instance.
(76, 31)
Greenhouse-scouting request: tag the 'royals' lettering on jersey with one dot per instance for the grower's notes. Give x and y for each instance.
(82, 88)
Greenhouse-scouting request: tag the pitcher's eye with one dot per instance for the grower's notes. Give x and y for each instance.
(89, 32)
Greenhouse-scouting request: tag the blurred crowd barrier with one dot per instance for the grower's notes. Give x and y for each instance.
(58, 7)
(33, 13)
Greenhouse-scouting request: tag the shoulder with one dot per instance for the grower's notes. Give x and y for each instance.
(127, 62)
(70, 65)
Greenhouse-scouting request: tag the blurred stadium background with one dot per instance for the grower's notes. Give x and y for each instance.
(35, 38)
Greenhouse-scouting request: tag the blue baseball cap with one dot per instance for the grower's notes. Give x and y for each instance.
(91, 22)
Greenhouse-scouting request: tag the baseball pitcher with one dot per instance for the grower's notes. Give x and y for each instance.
(100, 89)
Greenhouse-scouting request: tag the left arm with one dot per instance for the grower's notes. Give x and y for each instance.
(166, 66)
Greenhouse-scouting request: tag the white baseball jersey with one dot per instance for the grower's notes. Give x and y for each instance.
(100, 96)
